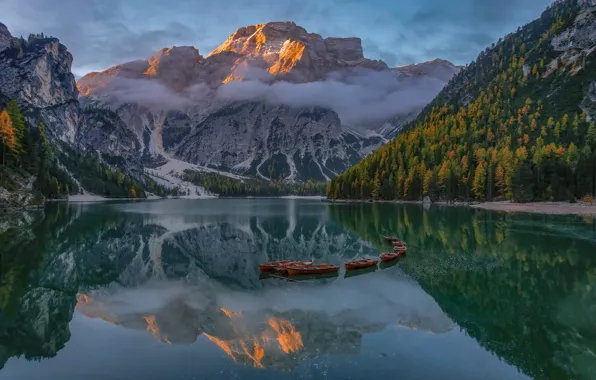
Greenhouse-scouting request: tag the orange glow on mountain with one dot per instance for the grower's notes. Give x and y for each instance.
(288, 338)
(221, 344)
(94, 81)
(289, 55)
(153, 65)
(82, 299)
(231, 314)
(91, 308)
(152, 326)
(257, 355)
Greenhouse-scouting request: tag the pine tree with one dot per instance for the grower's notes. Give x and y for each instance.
(7, 136)
(18, 123)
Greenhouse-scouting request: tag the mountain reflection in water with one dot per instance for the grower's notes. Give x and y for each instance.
(273, 327)
(185, 275)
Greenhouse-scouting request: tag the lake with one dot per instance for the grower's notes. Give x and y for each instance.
(170, 289)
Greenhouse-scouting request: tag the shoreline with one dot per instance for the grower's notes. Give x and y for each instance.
(545, 208)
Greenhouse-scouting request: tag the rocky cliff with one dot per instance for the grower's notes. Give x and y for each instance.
(36, 73)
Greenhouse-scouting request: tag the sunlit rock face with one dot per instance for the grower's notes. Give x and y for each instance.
(177, 67)
(293, 54)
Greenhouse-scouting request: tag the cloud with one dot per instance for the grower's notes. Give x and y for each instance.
(361, 98)
(153, 94)
(368, 96)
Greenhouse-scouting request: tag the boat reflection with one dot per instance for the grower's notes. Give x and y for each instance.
(359, 272)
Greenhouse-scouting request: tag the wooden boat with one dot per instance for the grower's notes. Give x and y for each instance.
(359, 264)
(389, 256)
(283, 268)
(400, 248)
(391, 238)
(270, 266)
(312, 269)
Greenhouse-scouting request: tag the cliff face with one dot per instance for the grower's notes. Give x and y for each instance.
(5, 37)
(37, 75)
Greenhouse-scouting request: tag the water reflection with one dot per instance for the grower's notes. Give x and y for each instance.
(273, 327)
(521, 286)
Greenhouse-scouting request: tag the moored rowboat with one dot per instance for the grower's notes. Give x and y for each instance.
(400, 248)
(312, 269)
(389, 256)
(270, 267)
(391, 238)
(283, 268)
(359, 264)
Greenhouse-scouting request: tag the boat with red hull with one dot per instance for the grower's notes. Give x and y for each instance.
(360, 264)
(294, 270)
(284, 267)
(274, 265)
(400, 248)
(389, 256)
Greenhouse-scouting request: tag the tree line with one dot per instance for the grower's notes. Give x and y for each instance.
(226, 186)
(508, 126)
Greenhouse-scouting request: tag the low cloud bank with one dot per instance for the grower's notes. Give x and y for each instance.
(368, 96)
(360, 97)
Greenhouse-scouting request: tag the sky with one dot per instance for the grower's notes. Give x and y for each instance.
(103, 33)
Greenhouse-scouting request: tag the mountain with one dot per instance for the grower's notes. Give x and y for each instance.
(517, 123)
(43, 154)
(272, 101)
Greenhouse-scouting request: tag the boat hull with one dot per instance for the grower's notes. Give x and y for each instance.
(312, 269)
(360, 264)
(389, 256)
(284, 268)
(275, 266)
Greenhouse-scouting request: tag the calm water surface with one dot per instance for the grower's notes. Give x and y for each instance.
(171, 290)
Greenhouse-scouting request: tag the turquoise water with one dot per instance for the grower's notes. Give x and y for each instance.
(171, 290)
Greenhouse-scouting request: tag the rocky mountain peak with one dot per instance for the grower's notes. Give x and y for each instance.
(437, 68)
(288, 51)
(37, 75)
(176, 66)
(262, 39)
(5, 37)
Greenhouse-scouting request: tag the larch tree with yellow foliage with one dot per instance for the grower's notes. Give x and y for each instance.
(7, 137)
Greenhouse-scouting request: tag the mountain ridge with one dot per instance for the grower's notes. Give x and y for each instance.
(276, 64)
(515, 124)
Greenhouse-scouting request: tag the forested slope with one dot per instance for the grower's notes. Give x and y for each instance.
(517, 123)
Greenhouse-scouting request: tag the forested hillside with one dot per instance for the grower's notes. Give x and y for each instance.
(518, 123)
(34, 168)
